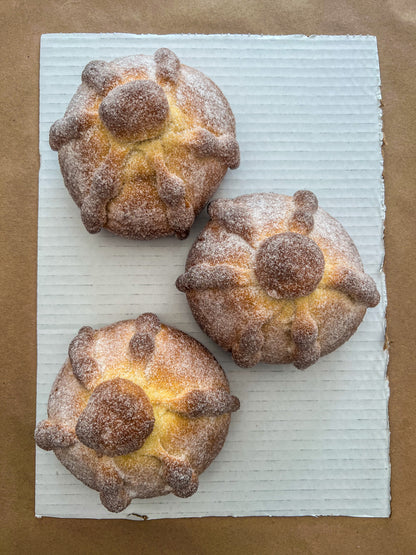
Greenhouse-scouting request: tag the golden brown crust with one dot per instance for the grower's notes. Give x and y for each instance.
(276, 279)
(147, 414)
(143, 145)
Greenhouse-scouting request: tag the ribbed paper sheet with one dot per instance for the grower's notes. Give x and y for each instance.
(308, 116)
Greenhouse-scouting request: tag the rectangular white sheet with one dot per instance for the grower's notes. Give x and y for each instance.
(308, 116)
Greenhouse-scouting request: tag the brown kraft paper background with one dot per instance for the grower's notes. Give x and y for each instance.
(393, 22)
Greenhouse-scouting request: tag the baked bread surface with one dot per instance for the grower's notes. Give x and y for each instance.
(143, 145)
(139, 409)
(276, 279)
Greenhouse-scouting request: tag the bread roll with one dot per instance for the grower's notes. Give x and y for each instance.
(276, 279)
(139, 409)
(143, 145)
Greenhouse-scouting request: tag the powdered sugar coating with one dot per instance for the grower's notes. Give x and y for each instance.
(289, 265)
(295, 290)
(145, 109)
(100, 76)
(208, 277)
(149, 422)
(205, 101)
(167, 65)
(117, 419)
(135, 111)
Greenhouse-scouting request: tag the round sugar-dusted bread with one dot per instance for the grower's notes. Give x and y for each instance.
(143, 145)
(139, 409)
(276, 279)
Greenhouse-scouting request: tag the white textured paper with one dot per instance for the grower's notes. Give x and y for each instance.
(308, 117)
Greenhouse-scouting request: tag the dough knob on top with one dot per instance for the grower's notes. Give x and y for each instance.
(289, 265)
(117, 419)
(136, 110)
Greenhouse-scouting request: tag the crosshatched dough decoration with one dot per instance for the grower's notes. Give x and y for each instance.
(143, 145)
(139, 409)
(276, 279)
